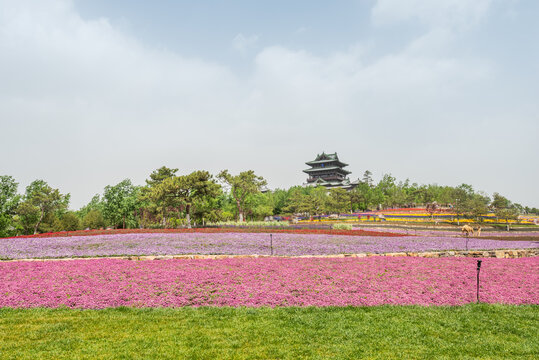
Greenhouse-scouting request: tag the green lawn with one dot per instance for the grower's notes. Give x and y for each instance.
(386, 332)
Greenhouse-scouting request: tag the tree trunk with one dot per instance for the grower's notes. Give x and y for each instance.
(39, 221)
(240, 211)
(188, 211)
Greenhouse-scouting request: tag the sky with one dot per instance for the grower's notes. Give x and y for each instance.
(446, 92)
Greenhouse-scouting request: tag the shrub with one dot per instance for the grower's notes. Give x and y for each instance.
(342, 226)
(93, 220)
(68, 222)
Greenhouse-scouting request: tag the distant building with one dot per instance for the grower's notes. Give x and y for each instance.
(327, 170)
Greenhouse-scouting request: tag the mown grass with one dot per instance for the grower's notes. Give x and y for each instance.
(386, 332)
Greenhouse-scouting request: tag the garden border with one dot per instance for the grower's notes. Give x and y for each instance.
(500, 254)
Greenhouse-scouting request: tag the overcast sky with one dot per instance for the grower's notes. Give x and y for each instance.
(445, 91)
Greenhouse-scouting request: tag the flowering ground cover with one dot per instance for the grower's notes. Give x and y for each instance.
(211, 231)
(442, 232)
(237, 243)
(103, 283)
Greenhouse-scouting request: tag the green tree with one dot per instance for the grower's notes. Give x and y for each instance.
(120, 203)
(298, 202)
(499, 202)
(519, 208)
(460, 197)
(159, 175)
(154, 201)
(225, 207)
(476, 206)
(319, 200)
(339, 201)
(210, 209)
(280, 199)
(365, 196)
(68, 221)
(259, 205)
(395, 197)
(388, 190)
(386, 184)
(242, 185)
(93, 220)
(194, 188)
(360, 196)
(91, 214)
(507, 214)
(40, 201)
(94, 204)
(9, 201)
(186, 191)
(443, 195)
(504, 209)
(367, 178)
(424, 195)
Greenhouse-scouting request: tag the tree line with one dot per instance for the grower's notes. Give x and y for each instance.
(169, 200)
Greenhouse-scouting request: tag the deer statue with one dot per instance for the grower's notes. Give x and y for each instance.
(478, 231)
(468, 230)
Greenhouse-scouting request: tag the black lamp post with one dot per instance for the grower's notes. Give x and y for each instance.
(478, 270)
(271, 244)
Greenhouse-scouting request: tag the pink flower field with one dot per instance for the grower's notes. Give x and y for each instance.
(102, 283)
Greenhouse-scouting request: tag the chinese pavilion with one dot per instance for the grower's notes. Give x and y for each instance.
(327, 170)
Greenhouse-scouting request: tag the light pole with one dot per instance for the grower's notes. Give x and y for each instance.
(478, 270)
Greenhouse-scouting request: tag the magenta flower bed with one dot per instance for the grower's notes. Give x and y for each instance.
(238, 244)
(101, 283)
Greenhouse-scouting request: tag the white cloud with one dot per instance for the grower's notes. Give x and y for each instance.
(434, 13)
(243, 43)
(55, 54)
(77, 94)
(83, 105)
